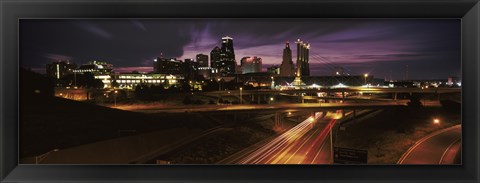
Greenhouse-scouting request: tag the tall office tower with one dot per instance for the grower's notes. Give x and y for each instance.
(227, 45)
(227, 63)
(303, 68)
(251, 65)
(215, 58)
(202, 60)
(287, 68)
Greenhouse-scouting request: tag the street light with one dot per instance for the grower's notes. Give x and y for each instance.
(241, 95)
(365, 75)
(218, 101)
(436, 121)
(115, 97)
(44, 155)
(273, 83)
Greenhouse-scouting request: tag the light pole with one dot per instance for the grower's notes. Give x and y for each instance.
(218, 101)
(241, 95)
(115, 97)
(331, 145)
(44, 155)
(366, 75)
(273, 83)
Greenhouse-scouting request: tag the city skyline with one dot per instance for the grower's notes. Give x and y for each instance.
(380, 47)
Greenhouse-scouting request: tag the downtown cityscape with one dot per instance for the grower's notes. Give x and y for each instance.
(326, 91)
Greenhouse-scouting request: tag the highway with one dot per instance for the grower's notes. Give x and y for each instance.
(440, 147)
(268, 108)
(306, 143)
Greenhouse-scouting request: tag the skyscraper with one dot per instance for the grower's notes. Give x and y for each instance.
(227, 45)
(202, 60)
(287, 68)
(227, 63)
(303, 68)
(215, 58)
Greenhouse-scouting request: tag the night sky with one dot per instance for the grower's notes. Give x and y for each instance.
(381, 47)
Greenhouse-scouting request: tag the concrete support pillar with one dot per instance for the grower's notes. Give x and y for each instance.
(395, 96)
(354, 115)
(278, 120)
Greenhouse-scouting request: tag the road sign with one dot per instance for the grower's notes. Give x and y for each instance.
(349, 156)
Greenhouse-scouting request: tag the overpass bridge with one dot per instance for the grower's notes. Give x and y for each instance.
(266, 93)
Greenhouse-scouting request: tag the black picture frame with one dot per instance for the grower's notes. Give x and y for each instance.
(11, 11)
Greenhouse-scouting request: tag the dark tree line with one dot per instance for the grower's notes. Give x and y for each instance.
(86, 80)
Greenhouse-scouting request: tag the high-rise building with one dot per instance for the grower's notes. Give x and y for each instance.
(287, 68)
(227, 46)
(227, 64)
(60, 69)
(303, 68)
(251, 65)
(202, 60)
(168, 66)
(215, 58)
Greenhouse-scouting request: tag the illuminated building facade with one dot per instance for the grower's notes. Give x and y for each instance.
(95, 67)
(227, 64)
(60, 69)
(251, 65)
(303, 49)
(214, 58)
(100, 70)
(130, 80)
(287, 68)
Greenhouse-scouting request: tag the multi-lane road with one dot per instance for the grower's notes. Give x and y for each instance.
(306, 143)
(441, 147)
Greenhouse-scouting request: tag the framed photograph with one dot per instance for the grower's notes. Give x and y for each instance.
(344, 91)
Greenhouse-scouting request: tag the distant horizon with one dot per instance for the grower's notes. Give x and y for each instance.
(379, 47)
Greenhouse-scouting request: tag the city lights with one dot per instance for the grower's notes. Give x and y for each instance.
(179, 95)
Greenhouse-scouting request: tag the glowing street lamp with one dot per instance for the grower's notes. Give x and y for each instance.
(115, 97)
(241, 89)
(436, 121)
(365, 75)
